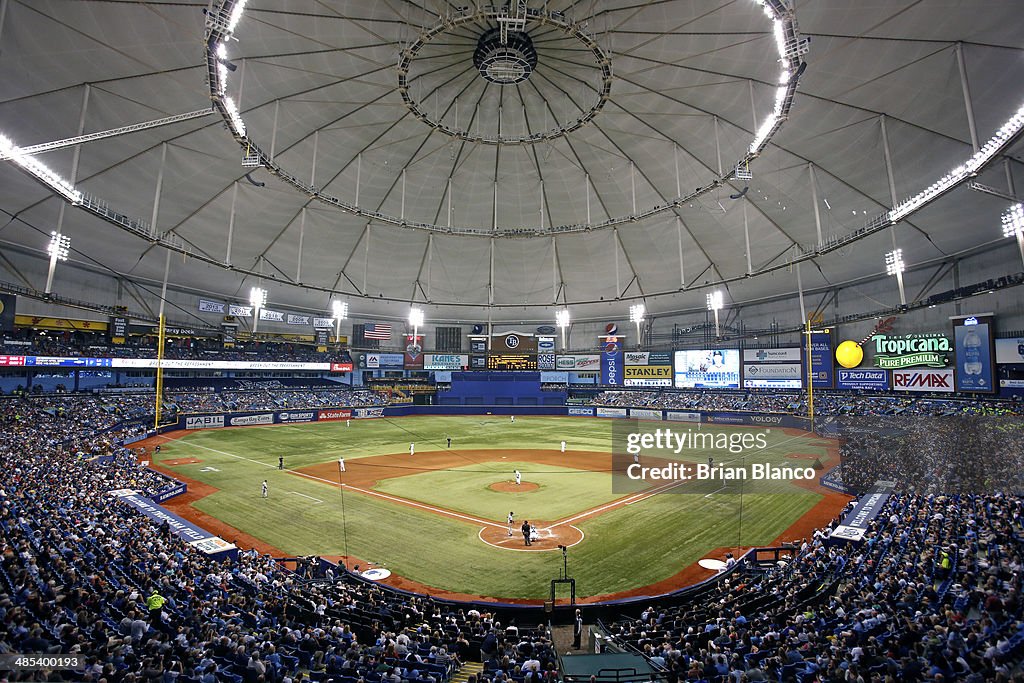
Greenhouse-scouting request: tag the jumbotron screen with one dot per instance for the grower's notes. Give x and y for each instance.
(711, 369)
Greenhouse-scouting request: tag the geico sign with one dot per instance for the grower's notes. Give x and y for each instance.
(923, 380)
(647, 371)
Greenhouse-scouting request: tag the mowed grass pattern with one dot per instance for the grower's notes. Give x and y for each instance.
(625, 548)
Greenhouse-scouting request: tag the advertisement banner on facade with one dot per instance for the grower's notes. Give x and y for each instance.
(250, 420)
(857, 521)
(545, 344)
(554, 377)
(177, 489)
(611, 368)
(204, 421)
(1010, 351)
(860, 380)
(895, 353)
(647, 375)
(590, 362)
(822, 365)
(923, 379)
(659, 358)
(786, 355)
(635, 357)
(581, 411)
(190, 364)
(612, 412)
(546, 361)
(644, 414)
(648, 372)
(680, 416)
(374, 361)
(781, 375)
(297, 416)
(363, 413)
(441, 361)
(333, 415)
(975, 371)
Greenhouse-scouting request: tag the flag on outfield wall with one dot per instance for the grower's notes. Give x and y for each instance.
(379, 331)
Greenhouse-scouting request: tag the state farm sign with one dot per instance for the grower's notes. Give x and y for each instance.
(923, 379)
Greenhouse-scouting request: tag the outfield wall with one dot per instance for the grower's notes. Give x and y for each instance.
(268, 417)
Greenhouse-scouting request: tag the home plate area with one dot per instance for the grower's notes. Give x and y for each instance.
(544, 537)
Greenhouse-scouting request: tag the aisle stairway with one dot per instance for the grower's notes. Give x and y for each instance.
(562, 638)
(469, 668)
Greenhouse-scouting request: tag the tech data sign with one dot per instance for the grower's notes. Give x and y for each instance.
(893, 353)
(923, 379)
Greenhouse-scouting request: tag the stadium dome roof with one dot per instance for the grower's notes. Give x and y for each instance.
(418, 154)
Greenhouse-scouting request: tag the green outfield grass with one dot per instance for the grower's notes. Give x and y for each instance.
(624, 548)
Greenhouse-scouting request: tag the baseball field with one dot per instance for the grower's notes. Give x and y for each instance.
(438, 519)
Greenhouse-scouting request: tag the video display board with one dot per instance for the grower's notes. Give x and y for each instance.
(712, 369)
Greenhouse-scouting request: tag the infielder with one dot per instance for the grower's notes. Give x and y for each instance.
(519, 477)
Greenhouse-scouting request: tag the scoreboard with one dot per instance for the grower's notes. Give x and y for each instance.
(512, 361)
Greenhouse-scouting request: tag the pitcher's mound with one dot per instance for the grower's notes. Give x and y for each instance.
(512, 487)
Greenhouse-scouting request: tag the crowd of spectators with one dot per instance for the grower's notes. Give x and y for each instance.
(272, 398)
(82, 574)
(94, 345)
(825, 402)
(932, 595)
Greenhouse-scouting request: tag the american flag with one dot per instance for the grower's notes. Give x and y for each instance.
(381, 331)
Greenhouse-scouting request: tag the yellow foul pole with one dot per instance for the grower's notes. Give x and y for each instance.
(159, 373)
(810, 377)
